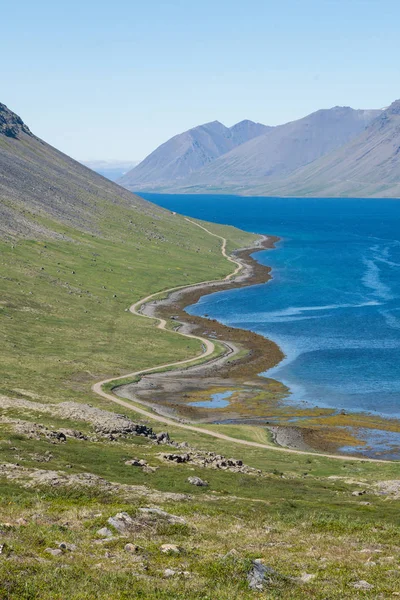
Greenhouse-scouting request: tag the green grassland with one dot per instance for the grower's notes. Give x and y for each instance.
(64, 324)
(63, 303)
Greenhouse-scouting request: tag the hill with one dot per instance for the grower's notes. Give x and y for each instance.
(275, 154)
(368, 166)
(98, 504)
(188, 152)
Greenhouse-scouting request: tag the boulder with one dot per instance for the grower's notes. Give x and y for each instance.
(122, 522)
(104, 532)
(157, 512)
(170, 549)
(260, 575)
(362, 585)
(197, 481)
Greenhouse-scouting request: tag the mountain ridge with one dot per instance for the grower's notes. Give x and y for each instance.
(189, 151)
(276, 153)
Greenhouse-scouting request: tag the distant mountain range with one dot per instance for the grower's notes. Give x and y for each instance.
(112, 169)
(189, 152)
(332, 152)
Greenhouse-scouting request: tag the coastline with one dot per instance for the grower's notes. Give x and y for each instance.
(255, 399)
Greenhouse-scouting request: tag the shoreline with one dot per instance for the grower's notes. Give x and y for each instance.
(246, 355)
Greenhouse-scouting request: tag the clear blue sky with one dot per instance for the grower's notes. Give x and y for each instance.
(109, 80)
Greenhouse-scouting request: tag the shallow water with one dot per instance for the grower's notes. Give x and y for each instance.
(217, 400)
(333, 305)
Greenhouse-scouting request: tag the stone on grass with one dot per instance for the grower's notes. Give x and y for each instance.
(197, 481)
(170, 549)
(260, 575)
(362, 585)
(54, 551)
(162, 437)
(169, 573)
(105, 532)
(305, 577)
(67, 547)
(162, 513)
(359, 492)
(121, 522)
(131, 548)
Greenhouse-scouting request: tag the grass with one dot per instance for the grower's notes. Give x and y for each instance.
(64, 324)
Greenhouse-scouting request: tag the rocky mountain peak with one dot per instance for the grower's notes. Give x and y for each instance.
(11, 125)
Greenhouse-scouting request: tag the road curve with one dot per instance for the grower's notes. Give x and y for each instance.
(209, 348)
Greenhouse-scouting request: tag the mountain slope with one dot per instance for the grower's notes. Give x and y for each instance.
(282, 150)
(188, 152)
(36, 179)
(367, 166)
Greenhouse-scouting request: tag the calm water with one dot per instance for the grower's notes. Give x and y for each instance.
(334, 302)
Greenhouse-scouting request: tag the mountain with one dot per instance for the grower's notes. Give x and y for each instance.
(280, 151)
(368, 166)
(111, 169)
(188, 152)
(38, 182)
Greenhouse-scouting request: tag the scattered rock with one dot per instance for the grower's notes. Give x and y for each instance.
(358, 492)
(162, 437)
(104, 532)
(170, 549)
(169, 573)
(211, 460)
(122, 522)
(157, 512)
(135, 462)
(54, 551)
(260, 575)
(178, 458)
(131, 548)
(67, 547)
(305, 577)
(197, 481)
(362, 585)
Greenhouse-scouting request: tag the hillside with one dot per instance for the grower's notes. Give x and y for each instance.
(273, 155)
(188, 152)
(368, 166)
(99, 504)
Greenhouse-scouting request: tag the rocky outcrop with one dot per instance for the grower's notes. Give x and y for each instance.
(11, 125)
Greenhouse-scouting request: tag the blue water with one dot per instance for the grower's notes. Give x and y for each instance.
(333, 305)
(218, 400)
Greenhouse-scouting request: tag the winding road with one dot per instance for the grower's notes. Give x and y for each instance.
(209, 348)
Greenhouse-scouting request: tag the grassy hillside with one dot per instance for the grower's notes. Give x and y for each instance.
(71, 263)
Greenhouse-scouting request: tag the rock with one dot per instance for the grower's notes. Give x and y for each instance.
(197, 481)
(305, 577)
(162, 437)
(260, 575)
(131, 548)
(169, 573)
(121, 522)
(54, 551)
(104, 532)
(135, 462)
(162, 513)
(358, 492)
(362, 585)
(21, 521)
(178, 458)
(67, 547)
(170, 549)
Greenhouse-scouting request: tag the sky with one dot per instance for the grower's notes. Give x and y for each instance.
(113, 80)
